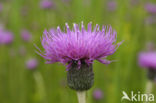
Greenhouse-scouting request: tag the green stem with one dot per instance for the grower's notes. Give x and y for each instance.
(40, 86)
(149, 87)
(81, 96)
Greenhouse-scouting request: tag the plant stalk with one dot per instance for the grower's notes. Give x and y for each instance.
(40, 86)
(149, 87)
(81, 96)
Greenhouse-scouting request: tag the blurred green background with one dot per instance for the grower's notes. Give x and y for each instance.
(47, 83)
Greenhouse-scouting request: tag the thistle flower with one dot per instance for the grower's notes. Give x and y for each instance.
(150, 20)
(26, 36)
(6, 37)
(77, 49)
(111, 5)
(148, 60)
(97, 94)
(150, 8)
(32, 63)
(46, 4)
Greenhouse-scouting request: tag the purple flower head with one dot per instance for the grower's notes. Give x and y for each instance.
(46, 4)
(150, 20)
(147, 60)
(150, 7)
(26, 36)
(111, 5)
(32, 63)
(97, 94)
(79, 45)
(6, 37)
